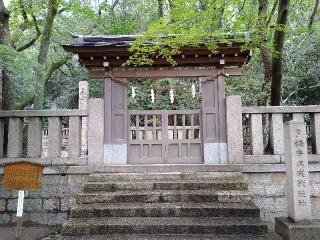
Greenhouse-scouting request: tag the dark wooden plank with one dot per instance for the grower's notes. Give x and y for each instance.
(180, 61)
(161, 73)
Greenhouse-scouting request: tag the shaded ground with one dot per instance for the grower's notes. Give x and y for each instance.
(51, 233)
(28, 233)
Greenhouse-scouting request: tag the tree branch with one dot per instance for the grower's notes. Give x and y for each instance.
(273, 10)
(313, 15)
(235, 13)
(33, 40)
(29, 99)
(23, 12)
(62, 10)
(160, 8)
(52, 11)
(295, 91)
(55, 65)
(114, 4)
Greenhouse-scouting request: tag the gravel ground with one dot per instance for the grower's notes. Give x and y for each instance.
(29, 233)
(52, 233)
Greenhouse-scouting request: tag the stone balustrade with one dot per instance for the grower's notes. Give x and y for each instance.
(26, 130)
(255, 134)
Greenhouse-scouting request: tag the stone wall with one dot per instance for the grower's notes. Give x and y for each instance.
(269, 193)
(48, 206)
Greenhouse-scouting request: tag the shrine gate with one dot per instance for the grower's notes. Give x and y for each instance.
(147, 137)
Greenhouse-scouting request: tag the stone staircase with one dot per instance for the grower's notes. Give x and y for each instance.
(165, 206)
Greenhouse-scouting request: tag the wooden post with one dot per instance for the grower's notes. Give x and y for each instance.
(214, 120)
(19, 214)
(116, 122)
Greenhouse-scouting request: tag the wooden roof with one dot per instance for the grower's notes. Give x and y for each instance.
(112, 51)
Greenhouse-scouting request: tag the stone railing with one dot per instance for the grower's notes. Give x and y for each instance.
(255, 134)
(25, 140)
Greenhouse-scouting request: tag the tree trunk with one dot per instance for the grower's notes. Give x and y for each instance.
(39, 87)
(277, 57)
(160, 8)
(52, 11)
(265, 55)
(4, 24)
(7, 83)
(313, 15)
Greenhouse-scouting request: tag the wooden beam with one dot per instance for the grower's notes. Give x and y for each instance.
(194, 61)
(119, 52)
(162, 73)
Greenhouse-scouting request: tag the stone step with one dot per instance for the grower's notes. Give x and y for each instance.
(164, 225)
(173, 237)
(165, 196)
(164, 185)
(179, 209)
(167, 176)
(161, 168)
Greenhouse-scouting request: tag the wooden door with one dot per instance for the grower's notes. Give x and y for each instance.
(161, 136)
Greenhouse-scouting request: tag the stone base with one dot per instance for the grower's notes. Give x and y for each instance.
(115, 154)
(305, 230)
(215, 153)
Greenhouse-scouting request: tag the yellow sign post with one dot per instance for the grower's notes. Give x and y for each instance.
(22, 176)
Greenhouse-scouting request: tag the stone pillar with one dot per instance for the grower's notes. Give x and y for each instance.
(34, 137)
(116, 123)
(234, 129)
(256, 134)
(1, 137)
(54, 136)
(15, 137)
(95, 131)
(276, 133)
(296, 155)
(315, 128)
(213, 121)
(83, 104)
(74, 144)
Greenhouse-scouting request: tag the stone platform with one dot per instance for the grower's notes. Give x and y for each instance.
(174, 237)
(289, 230)
(165, 206)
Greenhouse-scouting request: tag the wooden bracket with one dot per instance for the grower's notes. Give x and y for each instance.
(109, 75)
(220, 73)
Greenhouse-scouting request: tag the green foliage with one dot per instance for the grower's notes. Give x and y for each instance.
(195, 22)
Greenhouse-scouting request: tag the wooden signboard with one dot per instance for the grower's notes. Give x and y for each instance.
(22, 176)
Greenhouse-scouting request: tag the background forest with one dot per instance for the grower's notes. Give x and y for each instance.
(285, 39)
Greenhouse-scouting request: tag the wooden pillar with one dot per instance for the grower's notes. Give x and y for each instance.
(214, 121)
(116, 122)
